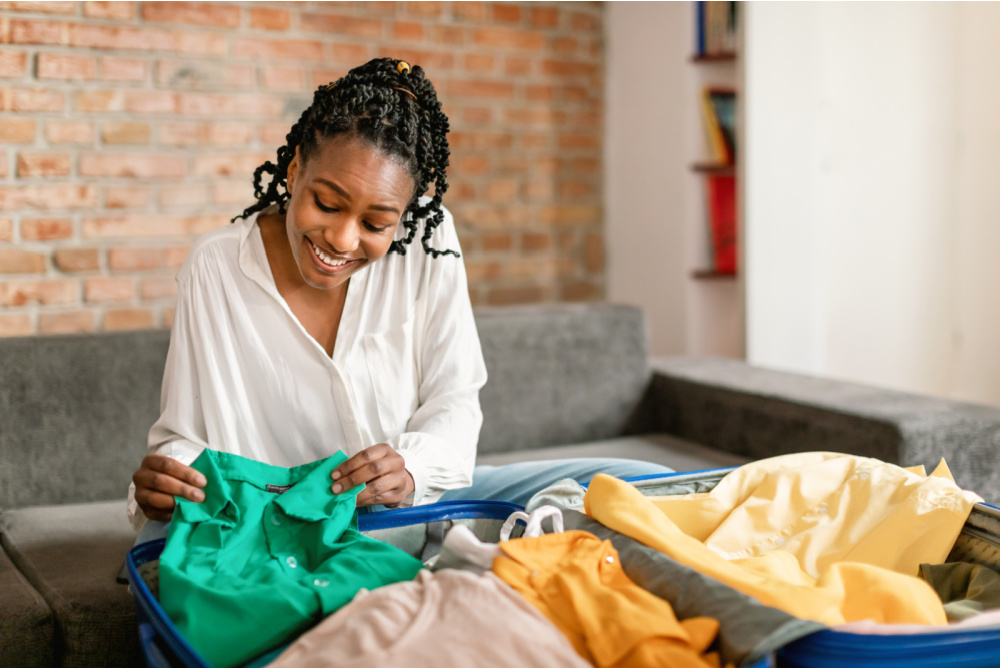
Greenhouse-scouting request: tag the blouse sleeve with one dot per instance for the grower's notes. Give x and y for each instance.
(439, 444)
(180, 431)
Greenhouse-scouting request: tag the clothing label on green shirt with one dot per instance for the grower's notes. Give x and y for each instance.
(268, 554)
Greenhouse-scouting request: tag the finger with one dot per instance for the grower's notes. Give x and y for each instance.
(158, 514)
(154, 501)
(361, 459)
(390, 497)
(167, 465)
(369, 472)
(164, 483)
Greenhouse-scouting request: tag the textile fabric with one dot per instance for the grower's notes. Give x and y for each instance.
(267, 554)
(843, 591)
(449, 618)
(966, 589)
(406, 367)
(576, 580)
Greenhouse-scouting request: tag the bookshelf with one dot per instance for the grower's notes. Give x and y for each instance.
(716, 281)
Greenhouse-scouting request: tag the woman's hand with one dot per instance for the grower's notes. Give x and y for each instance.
(383, 473)
(159, 479)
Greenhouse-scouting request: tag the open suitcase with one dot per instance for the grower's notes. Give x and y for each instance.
(978, 543)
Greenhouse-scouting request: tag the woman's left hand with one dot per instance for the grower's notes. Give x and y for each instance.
(382, 471)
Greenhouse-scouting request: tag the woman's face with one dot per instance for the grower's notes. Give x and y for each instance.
(346, 202)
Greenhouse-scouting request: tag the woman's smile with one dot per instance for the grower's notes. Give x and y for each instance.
(326, 263)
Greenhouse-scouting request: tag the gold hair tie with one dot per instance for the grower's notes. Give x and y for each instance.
(410, 93)
(402, 67)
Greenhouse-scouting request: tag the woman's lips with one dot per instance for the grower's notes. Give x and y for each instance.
(325, 267)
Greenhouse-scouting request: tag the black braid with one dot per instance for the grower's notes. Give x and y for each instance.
(367, 102)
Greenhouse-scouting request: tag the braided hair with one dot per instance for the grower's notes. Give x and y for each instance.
(393, 107)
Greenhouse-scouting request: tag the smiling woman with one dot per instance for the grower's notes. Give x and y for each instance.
(308, 327)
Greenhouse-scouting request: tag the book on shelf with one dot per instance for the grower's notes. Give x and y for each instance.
(718, 106)
(716, 25)
(721, 196)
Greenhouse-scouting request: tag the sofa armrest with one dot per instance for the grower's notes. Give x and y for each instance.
(758, 413)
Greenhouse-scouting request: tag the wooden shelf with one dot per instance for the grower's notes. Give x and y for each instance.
(718, 169)
(711, 274)
(713, 57)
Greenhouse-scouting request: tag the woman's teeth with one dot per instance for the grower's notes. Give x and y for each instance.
(325, 258)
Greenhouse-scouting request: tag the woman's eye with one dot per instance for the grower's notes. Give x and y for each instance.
(375, 228)
(323, 207)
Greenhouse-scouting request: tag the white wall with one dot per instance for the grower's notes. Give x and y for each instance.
(871, 215)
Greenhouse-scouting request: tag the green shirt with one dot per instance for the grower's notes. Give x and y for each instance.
(268, 554)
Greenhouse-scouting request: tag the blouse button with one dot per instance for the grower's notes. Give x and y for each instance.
(291, 561)
(779, 541)
(321, 582)
(276, 519)
(863, 475)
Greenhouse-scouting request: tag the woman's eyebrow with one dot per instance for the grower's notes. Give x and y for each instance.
(346, 196)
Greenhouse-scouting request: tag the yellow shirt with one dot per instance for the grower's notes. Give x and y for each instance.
(576, 580)
(824, 536)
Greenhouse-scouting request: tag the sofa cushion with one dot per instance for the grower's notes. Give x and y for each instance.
(663, 449)
(560, 374)
(71, 554)
(26, 624)
(75, 412)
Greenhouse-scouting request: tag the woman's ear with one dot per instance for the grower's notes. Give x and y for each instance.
(293, 170)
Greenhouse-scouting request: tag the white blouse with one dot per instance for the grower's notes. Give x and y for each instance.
(243, 376)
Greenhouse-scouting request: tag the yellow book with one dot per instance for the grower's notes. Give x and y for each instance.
(716, 142)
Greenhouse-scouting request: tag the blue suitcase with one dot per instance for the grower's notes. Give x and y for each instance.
(978, 543)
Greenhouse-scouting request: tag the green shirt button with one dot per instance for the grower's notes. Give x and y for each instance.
(321, 582)
(277, 519)
(291, 562)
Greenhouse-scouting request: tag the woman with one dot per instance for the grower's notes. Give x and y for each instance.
(313, 325)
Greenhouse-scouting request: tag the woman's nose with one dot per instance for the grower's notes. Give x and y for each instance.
(345, 236)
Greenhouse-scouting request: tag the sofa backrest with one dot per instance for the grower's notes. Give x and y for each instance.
(75, 410)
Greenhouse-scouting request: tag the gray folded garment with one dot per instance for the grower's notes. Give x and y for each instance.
(965, 589)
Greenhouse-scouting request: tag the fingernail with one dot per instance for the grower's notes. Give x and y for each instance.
(199, 496)
(337, 487)
(336, 474)
(200, 480)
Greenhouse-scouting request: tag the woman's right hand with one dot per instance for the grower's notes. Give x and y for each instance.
(159, 479)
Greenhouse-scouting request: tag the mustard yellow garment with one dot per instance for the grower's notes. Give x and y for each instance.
(823, 536)
(576, 580)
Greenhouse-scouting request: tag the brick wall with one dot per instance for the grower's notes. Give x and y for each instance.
(127, 129)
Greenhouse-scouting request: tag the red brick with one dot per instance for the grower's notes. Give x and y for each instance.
(587, 165)
(38, 32)
(125, 132)
(450, 35)
(123, 69)
(43, 164)
(476, 115)
(569, 213)
(509, 38)
(522, 295)
(19, 261)
(137, 225)
(124, 11)
(76, 260)
(273, 134)
(31, 99)
(475, 164)
(41, 7)
(429, 60)
(579, 142)
(13, 63)
(593, 253)
(204, 75)
(407, 30)
(218, 134)
(126, 196)
(233, 164)
(66, 323)
(544, 17)
(98, 101)
(17, 131)
(575, 189)
(462, 192)
(132, 165)
(145, 39)
(349, 54)
(130, 258)
(500, 241)
(517, 66)
(68, 132)
(535, 116)
(15, 325)
(108, 289)
(150, 102)
(535, 140)
(536, 241)
(158, 287)
(432, 9)
(269, 19)
(581, 291)
(175, 255)
(46, 229)
(233, 192)
(482, 271)
(291, 49)
(560, 68)
(339, 24)
(221, 104)
(182, 195)
(47, 196)
(575, 93)
(6, 230)
(499, 190)
(480, 140)
(469, 11)
(283, 78)
(481, 89)
(539, 189)
(218, 15)
(578, 21)
(65, 66)
(168, 317)
(477, 62)
(564, 45)
(506, 12)
(199, 225)
(128, 319)
(540, 93)
(23, 293)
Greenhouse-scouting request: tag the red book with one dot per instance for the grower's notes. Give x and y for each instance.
(722, 217)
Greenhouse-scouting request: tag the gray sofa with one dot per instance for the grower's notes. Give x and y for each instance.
(565, 381)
